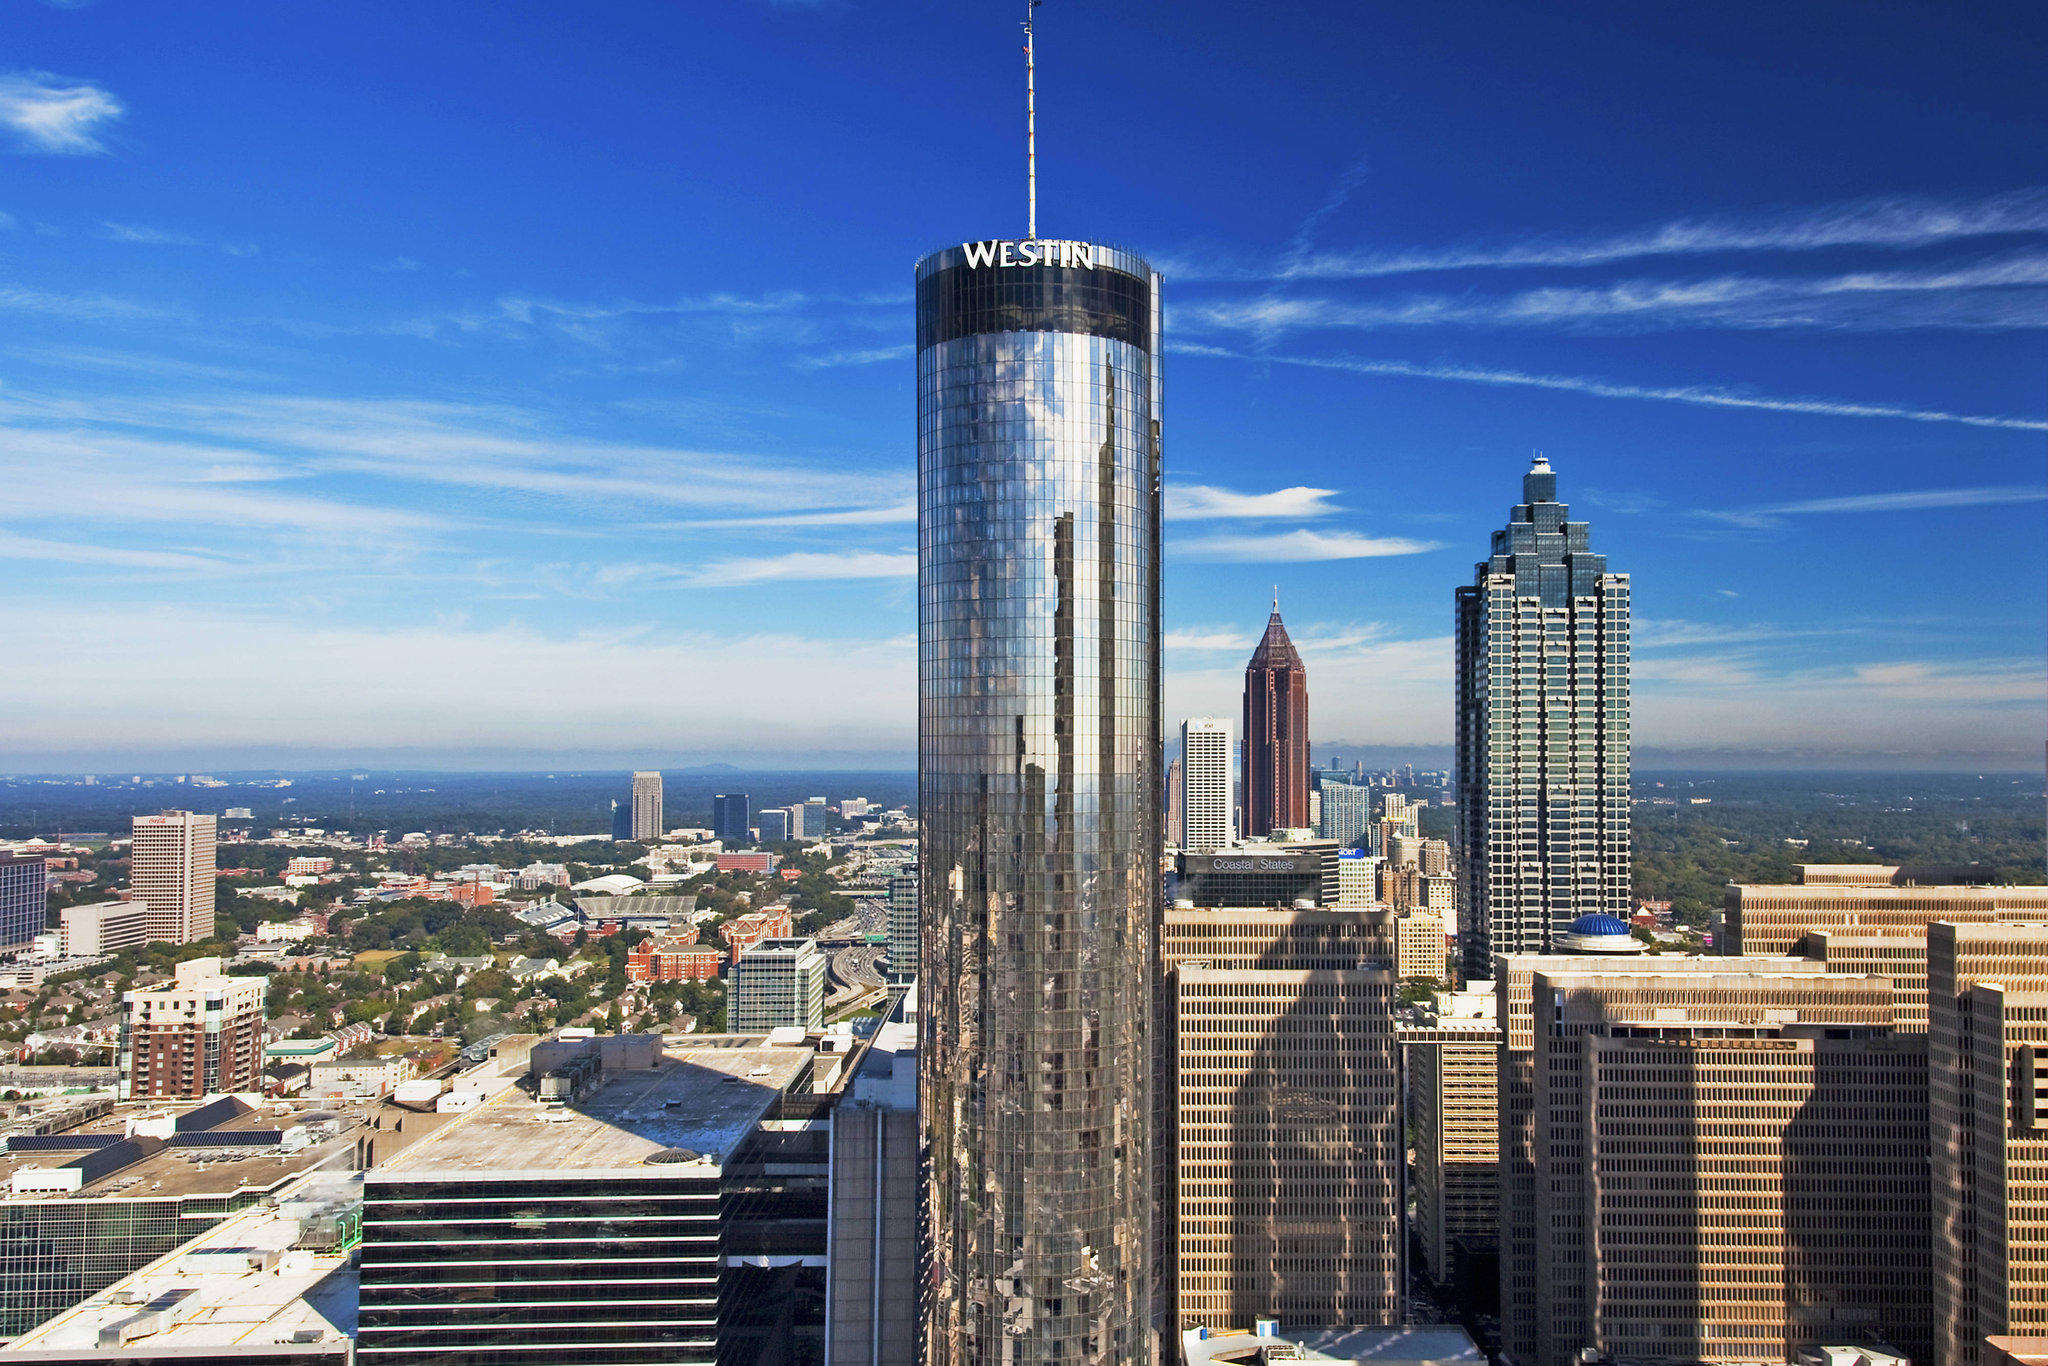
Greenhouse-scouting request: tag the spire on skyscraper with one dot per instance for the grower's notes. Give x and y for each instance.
(1275, 649)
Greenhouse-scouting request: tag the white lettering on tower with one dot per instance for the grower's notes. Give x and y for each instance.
(982, 255)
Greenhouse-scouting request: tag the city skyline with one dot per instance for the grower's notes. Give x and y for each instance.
(367, 412)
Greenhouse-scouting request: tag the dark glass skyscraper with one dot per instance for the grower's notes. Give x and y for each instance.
(1542, 732)
(1039, 786)
(1275, 734)
(24, 900)
(732, 816)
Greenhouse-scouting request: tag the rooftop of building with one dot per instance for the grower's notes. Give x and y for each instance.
(2018, 1351)
(1893, 874)
(274, 1274)
(1431, 1345)
(780, 948)
(203, 1159)
(702, 1096)
(887, 1076)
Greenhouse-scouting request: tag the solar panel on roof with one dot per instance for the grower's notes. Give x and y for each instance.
(59, 1143)
(229, 1138)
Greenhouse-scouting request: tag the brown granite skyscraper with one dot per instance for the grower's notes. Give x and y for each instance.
(1275, 734)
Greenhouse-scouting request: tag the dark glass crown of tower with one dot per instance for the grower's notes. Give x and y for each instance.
(1039, 788)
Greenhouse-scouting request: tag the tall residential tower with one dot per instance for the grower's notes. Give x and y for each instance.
(1039, 793)
(1542, 732)
(1275, 734)
(647, 806)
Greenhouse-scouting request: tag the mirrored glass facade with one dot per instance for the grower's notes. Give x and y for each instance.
(1038, 401)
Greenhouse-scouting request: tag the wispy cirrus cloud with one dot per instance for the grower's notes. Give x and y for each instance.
(787, 316)
(50, 115)
(1885, 223)
(2008, 292)
(78, 307)
(15, 547)
(1958, 681)
(1205, 639)
(503, 449)
(142, 235)
(803, 566)
(1707, 396)
(1191, 502)
(1298, 546)
(881, 515)
(866, 355)
(1659, 634)
(1908, 500)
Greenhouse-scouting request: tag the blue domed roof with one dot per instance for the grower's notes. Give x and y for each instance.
(1598, 923)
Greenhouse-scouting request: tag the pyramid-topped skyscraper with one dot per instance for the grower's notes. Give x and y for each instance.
(1275, 734)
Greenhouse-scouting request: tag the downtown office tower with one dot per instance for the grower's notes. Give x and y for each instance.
(1039, 789)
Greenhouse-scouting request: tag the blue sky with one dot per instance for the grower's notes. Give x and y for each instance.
(532, 382)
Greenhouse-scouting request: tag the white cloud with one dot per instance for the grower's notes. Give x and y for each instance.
(1700, 395)
(140, 235)
(1914, 500)
(870, 355)
(1659, 634)
(148, 237)
(804, 565)
(1206, 639)
(451, 686)
(79, 307)
(501, 449)
(1298, 546)
(2003, 293)
(49, 115)
(1878, 223)
(13, 547)
(883, 515)
(1921, 711)
(100, 477)
(1188, 502)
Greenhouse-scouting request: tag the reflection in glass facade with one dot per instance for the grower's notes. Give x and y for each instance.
(1038, 406)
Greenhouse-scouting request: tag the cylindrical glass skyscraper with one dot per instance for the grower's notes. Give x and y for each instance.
(1040, 797)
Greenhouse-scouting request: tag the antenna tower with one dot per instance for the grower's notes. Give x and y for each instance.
(1031, 121)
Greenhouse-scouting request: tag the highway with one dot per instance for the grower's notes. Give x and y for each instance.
(853, 977)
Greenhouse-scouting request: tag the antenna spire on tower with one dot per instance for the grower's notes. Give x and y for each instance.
(1031, 121)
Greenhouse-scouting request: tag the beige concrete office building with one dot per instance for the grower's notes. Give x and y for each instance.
(1453, 1064)
(1419, 949)
(1322, 938)
(173, 870)
(1283, 1136)
(1521, 1246)
(1869, 918)
(1988, 998)
(1729, 1166)
(1288, 1147)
